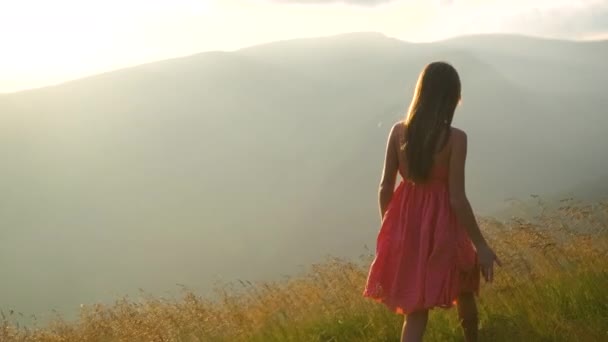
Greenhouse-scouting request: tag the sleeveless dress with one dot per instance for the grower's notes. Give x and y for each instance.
(424, 258)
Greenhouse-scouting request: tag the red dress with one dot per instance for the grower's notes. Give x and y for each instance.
(424, 258)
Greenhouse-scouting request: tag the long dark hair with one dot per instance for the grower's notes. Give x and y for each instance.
(429, 118)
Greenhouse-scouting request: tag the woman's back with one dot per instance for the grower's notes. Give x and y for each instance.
(441, 157)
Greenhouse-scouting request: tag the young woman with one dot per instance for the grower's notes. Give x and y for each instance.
(430, 250)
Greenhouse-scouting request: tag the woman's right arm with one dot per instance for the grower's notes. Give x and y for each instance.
(462, 207)
(390, 170)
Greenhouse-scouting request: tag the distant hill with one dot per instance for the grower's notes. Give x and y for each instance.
(250, 163)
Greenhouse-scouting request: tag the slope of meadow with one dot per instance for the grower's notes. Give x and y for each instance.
(553, 287)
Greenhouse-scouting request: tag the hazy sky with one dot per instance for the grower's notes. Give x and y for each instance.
(46, 42)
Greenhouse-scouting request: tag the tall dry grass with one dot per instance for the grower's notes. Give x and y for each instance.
(553, 287)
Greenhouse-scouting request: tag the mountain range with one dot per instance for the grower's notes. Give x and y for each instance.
(254, 163)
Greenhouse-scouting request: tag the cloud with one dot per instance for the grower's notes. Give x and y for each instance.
(571, 21)
(562, 19)
(568, 19)
(368, 3)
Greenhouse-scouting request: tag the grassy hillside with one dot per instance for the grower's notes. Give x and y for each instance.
(254, 162)
(552, 287)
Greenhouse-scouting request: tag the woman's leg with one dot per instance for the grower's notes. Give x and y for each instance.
(467, 312)
(414, 326)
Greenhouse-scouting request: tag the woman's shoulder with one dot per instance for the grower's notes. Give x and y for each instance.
(397, 126)
(457, 134)
(457, 140)
(397, 131)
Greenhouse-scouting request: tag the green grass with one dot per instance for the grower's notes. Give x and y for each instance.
(553, 287)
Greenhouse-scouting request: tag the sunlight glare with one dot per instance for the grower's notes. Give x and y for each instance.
(50, 41)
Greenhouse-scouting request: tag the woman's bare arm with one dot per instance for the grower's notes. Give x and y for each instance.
(458, 198)
(462, 207)
(389, 172)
